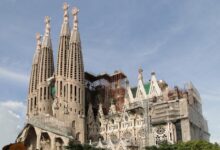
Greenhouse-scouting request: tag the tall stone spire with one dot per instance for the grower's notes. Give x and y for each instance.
(32, 94)
(46, 70)
(62, 59)
(75, 81)
(75, 62)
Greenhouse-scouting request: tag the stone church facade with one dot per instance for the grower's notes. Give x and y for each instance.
(69, 104)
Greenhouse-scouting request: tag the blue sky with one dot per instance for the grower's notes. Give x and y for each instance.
(179, 40)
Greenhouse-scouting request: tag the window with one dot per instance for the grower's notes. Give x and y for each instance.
(31, 104)
(61, 85)
(35, 101)
(75, 92)
(40, 93)
(73, 124)
(71, 91)
(44, 92)
(79, 95)
(64, 91)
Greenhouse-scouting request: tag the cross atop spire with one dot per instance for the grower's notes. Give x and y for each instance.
(47, 23)
(75, 12)
(65, 9)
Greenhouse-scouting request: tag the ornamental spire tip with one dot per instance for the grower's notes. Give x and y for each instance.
(38, 38)
(47, 28)
(75, 12)
(65, 9)
(140, 74)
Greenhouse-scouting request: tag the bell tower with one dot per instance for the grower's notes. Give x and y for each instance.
(75, 82)
(32, 93)
(62, 61)
(46, 70)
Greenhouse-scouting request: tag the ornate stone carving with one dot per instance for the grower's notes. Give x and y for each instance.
(160, 130)
(114, 138)
(141, 133)
(127, 135)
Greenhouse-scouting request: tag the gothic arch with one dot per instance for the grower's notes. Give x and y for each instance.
(31, 138)
(45, 141)
(59, 144)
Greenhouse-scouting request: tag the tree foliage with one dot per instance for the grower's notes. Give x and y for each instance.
(191, 145)
(73, 146)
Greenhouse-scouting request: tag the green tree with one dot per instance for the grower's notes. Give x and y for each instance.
(191, 145)
(73, 146)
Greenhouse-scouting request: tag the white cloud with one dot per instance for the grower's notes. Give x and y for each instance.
(14, 105)
(5, 73)
(12, 114)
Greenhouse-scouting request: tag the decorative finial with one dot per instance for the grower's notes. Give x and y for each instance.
(75, 12)
(153, 73)
(140, 74)
(47, 22)
(38, 38)
(65, 9)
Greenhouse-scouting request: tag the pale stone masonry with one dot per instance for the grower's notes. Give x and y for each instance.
(102, 110)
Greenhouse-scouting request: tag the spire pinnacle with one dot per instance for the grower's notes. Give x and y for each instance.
(38, 38)
(65, 26)
(75, 12)
(46, 39)
(36, 55)
(47, 23)
(140, 74)
(65, 9)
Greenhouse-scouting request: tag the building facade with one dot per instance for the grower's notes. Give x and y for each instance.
(69, 104)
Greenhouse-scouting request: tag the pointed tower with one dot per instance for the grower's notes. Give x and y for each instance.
(75, 82)
(46, 70)
(32, 94)
(154, 87)
(62, 59)
(140, 93)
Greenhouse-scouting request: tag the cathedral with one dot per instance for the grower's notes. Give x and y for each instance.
(68, 104)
